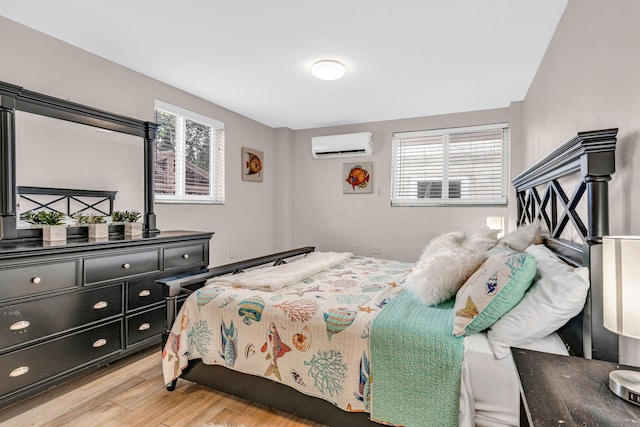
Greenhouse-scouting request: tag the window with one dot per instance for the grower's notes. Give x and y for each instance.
(458, 166)
(189, 157)
(433, 189)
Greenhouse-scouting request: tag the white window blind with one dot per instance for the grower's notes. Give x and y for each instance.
(189, 156)
(458, 166)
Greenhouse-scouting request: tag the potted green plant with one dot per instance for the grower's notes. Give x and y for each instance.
(53, 227)
(132, 227)
(98, 227)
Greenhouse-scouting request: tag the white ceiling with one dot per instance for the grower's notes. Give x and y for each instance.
(404, 58)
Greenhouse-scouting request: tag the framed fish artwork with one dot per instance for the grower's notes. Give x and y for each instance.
(357, 178)
(252, 164)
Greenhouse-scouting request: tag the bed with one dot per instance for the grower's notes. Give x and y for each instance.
(356, 362)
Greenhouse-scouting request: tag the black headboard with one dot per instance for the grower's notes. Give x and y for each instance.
(98, 201)
(586, 163)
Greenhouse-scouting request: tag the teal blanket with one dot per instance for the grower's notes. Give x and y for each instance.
(416, 364)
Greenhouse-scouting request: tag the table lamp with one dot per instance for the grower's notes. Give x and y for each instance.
(621, 304)
(496, 223)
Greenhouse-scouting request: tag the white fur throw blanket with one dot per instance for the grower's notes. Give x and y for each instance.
(277, 277)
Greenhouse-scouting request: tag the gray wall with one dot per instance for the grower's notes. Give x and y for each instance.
(358, 223)
(41, 63)
(590, 79)
(284, 183)
(300, 201)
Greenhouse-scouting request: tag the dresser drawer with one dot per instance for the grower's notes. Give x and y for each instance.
(24, 322)
(45, 361)
(143, 292)
(29, 279)
(184, 256)
(120, 266)
(145, 325)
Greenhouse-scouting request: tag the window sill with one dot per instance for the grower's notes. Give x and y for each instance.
(447, 203)
(188, 202)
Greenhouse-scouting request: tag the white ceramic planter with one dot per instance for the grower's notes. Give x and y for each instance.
(133, 229)
(54, 233)
(98, 231)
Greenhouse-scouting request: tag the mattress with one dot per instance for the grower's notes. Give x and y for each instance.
(291, 349)
(312, 335)
(490, 388)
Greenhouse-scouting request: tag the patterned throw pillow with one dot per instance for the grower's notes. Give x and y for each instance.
(496, 287)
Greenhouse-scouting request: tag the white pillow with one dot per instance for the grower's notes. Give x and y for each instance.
(437, 277)
(520, 239)
(558, 293)
(452, 239)
(447, 262)
(481, 240)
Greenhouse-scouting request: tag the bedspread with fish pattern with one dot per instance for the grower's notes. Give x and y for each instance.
(312, 336)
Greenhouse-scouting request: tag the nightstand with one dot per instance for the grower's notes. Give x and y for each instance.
(569, 391)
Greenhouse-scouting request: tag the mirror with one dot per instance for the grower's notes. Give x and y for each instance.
(61, 154)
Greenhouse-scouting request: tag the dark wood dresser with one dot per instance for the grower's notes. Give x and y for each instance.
(68, 308)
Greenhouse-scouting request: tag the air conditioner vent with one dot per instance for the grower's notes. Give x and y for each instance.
(345, 145)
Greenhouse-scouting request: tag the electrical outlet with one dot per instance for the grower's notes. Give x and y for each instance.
(376, 251)
(232, 253)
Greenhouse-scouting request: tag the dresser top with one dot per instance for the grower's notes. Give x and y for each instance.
(24, 247)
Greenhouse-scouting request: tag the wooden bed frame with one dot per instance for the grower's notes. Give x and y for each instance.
(590, 155)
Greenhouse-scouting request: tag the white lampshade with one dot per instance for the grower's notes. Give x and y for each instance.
(621, 284)
(328, 69)
(496, 223)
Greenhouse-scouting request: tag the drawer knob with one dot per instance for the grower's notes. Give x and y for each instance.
(144, 293)
(100, 305)
(125, 266)
(23, 324)
(36, 280)
(185, 256)
(144, 327)
(99, 343)
(19, 371)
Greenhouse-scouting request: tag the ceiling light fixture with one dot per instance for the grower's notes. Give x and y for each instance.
(328, 69)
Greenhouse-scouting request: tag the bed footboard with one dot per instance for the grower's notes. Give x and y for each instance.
(177, 288)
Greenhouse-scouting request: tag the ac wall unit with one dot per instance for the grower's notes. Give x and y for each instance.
(345, 145)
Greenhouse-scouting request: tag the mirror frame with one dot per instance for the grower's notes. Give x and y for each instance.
(15, 98)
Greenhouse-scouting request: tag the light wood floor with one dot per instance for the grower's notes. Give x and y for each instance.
(131, 392)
